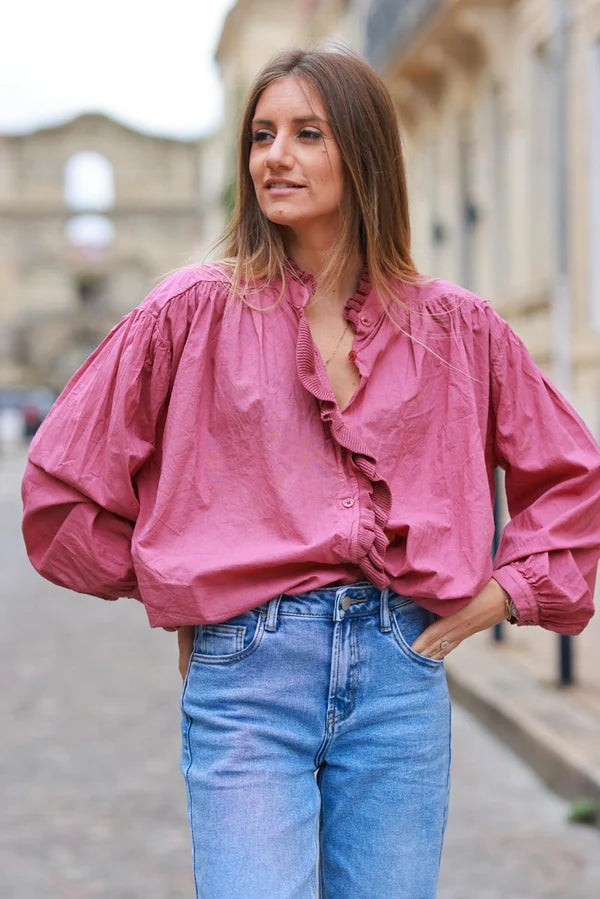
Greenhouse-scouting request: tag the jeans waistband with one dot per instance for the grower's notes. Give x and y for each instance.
(360, 598)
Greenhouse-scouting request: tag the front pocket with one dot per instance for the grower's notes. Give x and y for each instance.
(408, 622)
(231, 640)
(220, 639)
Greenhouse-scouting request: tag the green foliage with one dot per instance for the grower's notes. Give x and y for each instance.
(585, 811)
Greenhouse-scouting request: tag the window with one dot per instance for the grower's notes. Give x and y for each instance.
(499, 188)
(89, 182)
(542, 168)
(89, 190)
(92, 231)
(468, 213)
(595, 185)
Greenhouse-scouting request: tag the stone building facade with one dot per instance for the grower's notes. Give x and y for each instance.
(491, 145)
(93, 214)
(477, 86)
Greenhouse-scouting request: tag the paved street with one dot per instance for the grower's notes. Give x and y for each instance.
(93, 803)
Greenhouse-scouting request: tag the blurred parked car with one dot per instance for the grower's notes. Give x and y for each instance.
(31, 403)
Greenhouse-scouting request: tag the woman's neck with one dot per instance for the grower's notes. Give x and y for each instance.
(314, 260)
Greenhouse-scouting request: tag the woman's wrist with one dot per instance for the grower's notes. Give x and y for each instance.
(511, 613)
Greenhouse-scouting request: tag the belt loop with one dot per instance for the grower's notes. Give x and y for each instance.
(384, 612)
(338, 610)
(273, 608)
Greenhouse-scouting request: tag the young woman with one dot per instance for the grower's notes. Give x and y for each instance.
(289, 458)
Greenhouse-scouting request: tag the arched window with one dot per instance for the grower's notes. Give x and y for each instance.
(89, 182)
(90, 230)
(89, 190)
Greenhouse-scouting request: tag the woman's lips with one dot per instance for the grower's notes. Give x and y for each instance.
(282, 188)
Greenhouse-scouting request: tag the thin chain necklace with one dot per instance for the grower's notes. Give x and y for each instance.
(339, 343)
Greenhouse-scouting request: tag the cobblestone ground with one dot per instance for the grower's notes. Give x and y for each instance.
(93, 803)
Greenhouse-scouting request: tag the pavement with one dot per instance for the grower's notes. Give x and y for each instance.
(512, 686)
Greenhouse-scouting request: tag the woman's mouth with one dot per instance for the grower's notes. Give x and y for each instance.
(282, 187)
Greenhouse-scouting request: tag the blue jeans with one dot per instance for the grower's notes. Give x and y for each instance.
(316, 750)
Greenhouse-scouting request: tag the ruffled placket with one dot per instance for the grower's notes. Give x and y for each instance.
(375, 498)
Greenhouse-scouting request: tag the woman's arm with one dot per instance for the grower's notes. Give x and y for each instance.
(548, 553)
(79, 496)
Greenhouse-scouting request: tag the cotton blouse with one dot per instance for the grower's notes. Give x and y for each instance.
(198, 460)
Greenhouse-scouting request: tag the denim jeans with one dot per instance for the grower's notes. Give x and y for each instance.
(316, 750)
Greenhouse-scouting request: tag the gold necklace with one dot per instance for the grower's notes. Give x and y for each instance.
(327, 361)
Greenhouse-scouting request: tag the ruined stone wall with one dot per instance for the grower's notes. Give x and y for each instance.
(69, 269)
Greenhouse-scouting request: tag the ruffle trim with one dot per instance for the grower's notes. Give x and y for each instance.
(353, 305)
(563, 606)
(376, 497)
(356, 302)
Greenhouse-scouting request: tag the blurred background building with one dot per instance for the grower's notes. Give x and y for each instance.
(92, 212)
(499, 107)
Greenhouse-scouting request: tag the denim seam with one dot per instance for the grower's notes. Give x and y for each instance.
(331, 717)
(354, 681)
(233, 630)
(203, 659)
(408, 651)
(190, 802)
(330, 617)
(302, 615)
(446, 806)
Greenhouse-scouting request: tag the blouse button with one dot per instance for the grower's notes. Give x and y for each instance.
(348, 502)
(352, 355)
(365, 320)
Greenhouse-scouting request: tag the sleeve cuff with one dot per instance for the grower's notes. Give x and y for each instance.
(520, 592)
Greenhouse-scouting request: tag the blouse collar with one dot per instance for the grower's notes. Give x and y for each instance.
(353, 305)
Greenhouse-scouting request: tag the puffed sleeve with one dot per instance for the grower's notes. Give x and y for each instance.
(548, 552)
(79, 497)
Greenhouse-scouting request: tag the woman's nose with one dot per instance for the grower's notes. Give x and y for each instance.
(279, 153)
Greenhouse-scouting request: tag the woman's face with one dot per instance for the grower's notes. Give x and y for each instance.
(295, 164)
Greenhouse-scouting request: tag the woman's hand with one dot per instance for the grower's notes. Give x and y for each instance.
(185, 641)
(484, 610)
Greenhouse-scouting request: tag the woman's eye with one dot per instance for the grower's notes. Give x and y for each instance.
(259, 137)
(311, 134)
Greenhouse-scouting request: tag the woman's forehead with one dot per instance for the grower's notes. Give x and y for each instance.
(292, 98)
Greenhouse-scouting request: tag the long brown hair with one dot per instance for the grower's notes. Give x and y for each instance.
(374, 213)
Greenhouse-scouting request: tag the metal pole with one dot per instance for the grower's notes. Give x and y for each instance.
(561, 317)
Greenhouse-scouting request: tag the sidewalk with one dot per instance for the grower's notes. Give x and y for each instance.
(512, 686)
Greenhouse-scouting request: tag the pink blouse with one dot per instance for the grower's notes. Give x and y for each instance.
(198, 460)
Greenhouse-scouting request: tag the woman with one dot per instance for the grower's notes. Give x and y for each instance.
(289, 458)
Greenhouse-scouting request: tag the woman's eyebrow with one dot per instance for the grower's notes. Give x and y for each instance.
(298, 120)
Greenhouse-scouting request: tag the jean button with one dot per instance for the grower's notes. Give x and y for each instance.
(346, 603)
